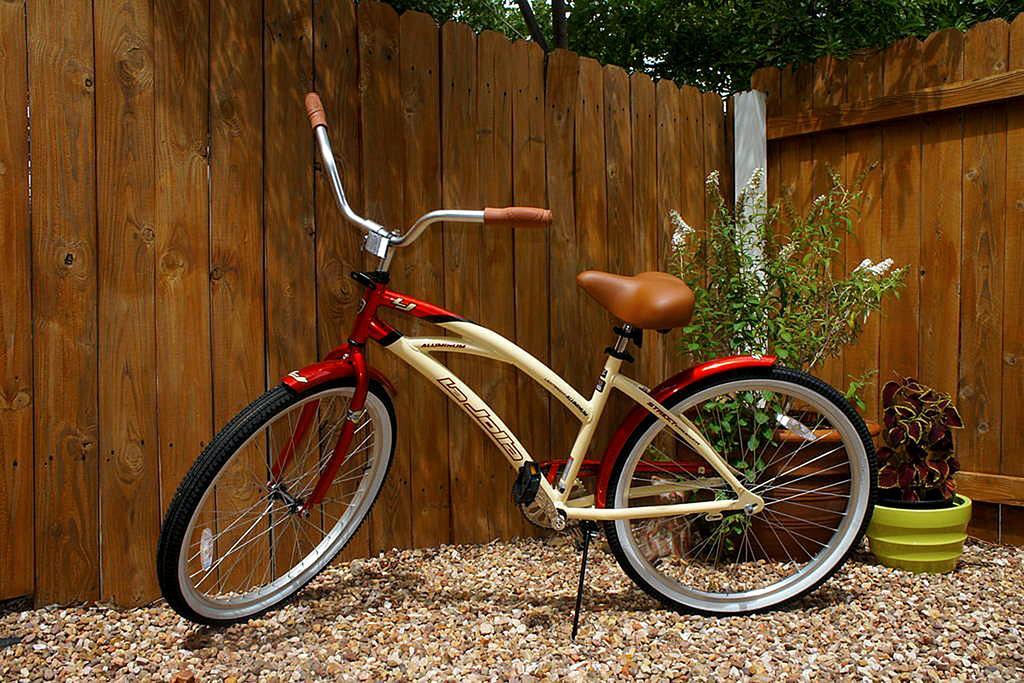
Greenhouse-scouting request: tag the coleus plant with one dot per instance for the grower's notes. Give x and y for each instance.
(918, 460)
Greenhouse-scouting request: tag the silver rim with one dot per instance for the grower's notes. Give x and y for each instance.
(258, 540)
(728, 582)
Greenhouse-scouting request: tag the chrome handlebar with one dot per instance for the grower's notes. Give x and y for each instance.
(378, 238)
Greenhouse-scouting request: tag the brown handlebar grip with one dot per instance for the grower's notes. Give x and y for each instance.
(315, 110)
(521, 216)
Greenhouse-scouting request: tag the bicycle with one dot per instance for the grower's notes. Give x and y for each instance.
(733, 487)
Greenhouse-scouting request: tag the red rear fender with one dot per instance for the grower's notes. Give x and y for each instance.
(663, 393)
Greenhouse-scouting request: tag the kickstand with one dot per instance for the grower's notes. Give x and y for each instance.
(589, 530)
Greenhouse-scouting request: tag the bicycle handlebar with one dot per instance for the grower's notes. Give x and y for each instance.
(382, 238)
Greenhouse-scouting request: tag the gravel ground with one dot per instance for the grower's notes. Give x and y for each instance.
(503, 612)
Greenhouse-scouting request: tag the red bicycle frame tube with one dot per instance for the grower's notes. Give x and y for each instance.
(348, 360)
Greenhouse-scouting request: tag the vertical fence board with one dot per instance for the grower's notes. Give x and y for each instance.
(237, 328)
(941, 150)
(901, 218)
(383, 191)
(1013, 289)
(796, 161)
(423, 266)
(468, 454)
(494, 142)
(16, 461)
(623, 248)
(863, 159)
(646, 210)
(338, 244)
(64, 301)
(828, 89)
(668, 117)
(984, 190)
(288, 209)
(768, 80)
(129, 483)
(591, 232)
(533, 319)
(559, 134)
(184, 397)
(690, 203)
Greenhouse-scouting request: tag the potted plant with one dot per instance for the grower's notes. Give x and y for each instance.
(921, 522)
(770, 279)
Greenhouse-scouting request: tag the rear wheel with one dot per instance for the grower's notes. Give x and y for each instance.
(233, 545)
(791, 439)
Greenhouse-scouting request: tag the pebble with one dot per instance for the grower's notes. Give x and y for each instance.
(503, 611)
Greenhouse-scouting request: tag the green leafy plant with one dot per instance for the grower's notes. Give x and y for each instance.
(918, 460)
(768, 278)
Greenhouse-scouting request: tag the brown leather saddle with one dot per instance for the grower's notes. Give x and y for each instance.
(649, 301)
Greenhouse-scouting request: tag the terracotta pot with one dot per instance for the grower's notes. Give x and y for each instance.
(795, 530)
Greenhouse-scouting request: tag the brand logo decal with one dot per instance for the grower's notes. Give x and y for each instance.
(401, 304)
(442, 345)
(573, 401)
(295, 375)
(483, 417)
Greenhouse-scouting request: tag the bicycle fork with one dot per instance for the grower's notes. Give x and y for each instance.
(355, 413)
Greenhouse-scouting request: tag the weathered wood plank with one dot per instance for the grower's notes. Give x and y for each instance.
(901, 219)
(338, 244)
(383, 192)
(646, 218)
(64, 305)
(497, 265)
(1013, 284)
(986, 49)
(533, 321)
(16, 458)
(690, 202)
(184, 392)
(469, 453)
(560, 122)
(941, 151)
(423, 269)
(829, 88)
(623, 252)
(236, 232)
(864, 158)
(968, 93)
(669, 145)
(129, 481)
(590, 196)
(288, 204)
(991, 488)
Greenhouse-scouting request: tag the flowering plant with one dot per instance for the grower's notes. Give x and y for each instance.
(917, 460)
(769, 279)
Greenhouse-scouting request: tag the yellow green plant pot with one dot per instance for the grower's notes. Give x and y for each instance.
(920, 540)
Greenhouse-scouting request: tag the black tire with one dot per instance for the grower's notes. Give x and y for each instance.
(775, 372)
(204, 472)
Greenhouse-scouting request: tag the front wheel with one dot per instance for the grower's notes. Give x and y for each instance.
(233, 544)
(791, 439)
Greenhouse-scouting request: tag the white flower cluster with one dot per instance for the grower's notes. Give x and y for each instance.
(681, 230)
(712, 179)
(877, 269)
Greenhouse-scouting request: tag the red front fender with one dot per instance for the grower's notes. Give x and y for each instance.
(662, 393)
(301, 381)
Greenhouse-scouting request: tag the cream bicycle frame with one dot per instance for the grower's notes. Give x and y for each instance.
(476, 340)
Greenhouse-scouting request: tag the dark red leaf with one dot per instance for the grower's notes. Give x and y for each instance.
(887, 478)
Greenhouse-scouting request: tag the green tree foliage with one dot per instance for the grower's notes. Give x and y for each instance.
(717, 44)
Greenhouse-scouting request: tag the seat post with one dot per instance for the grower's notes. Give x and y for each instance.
(625, 334)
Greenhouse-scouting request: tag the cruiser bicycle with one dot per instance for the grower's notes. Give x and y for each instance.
(732, 487)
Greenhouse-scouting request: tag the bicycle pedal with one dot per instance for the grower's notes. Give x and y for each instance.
(526, 485)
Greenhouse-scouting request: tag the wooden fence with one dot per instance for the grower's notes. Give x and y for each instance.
(943, 119)
(181, 250)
